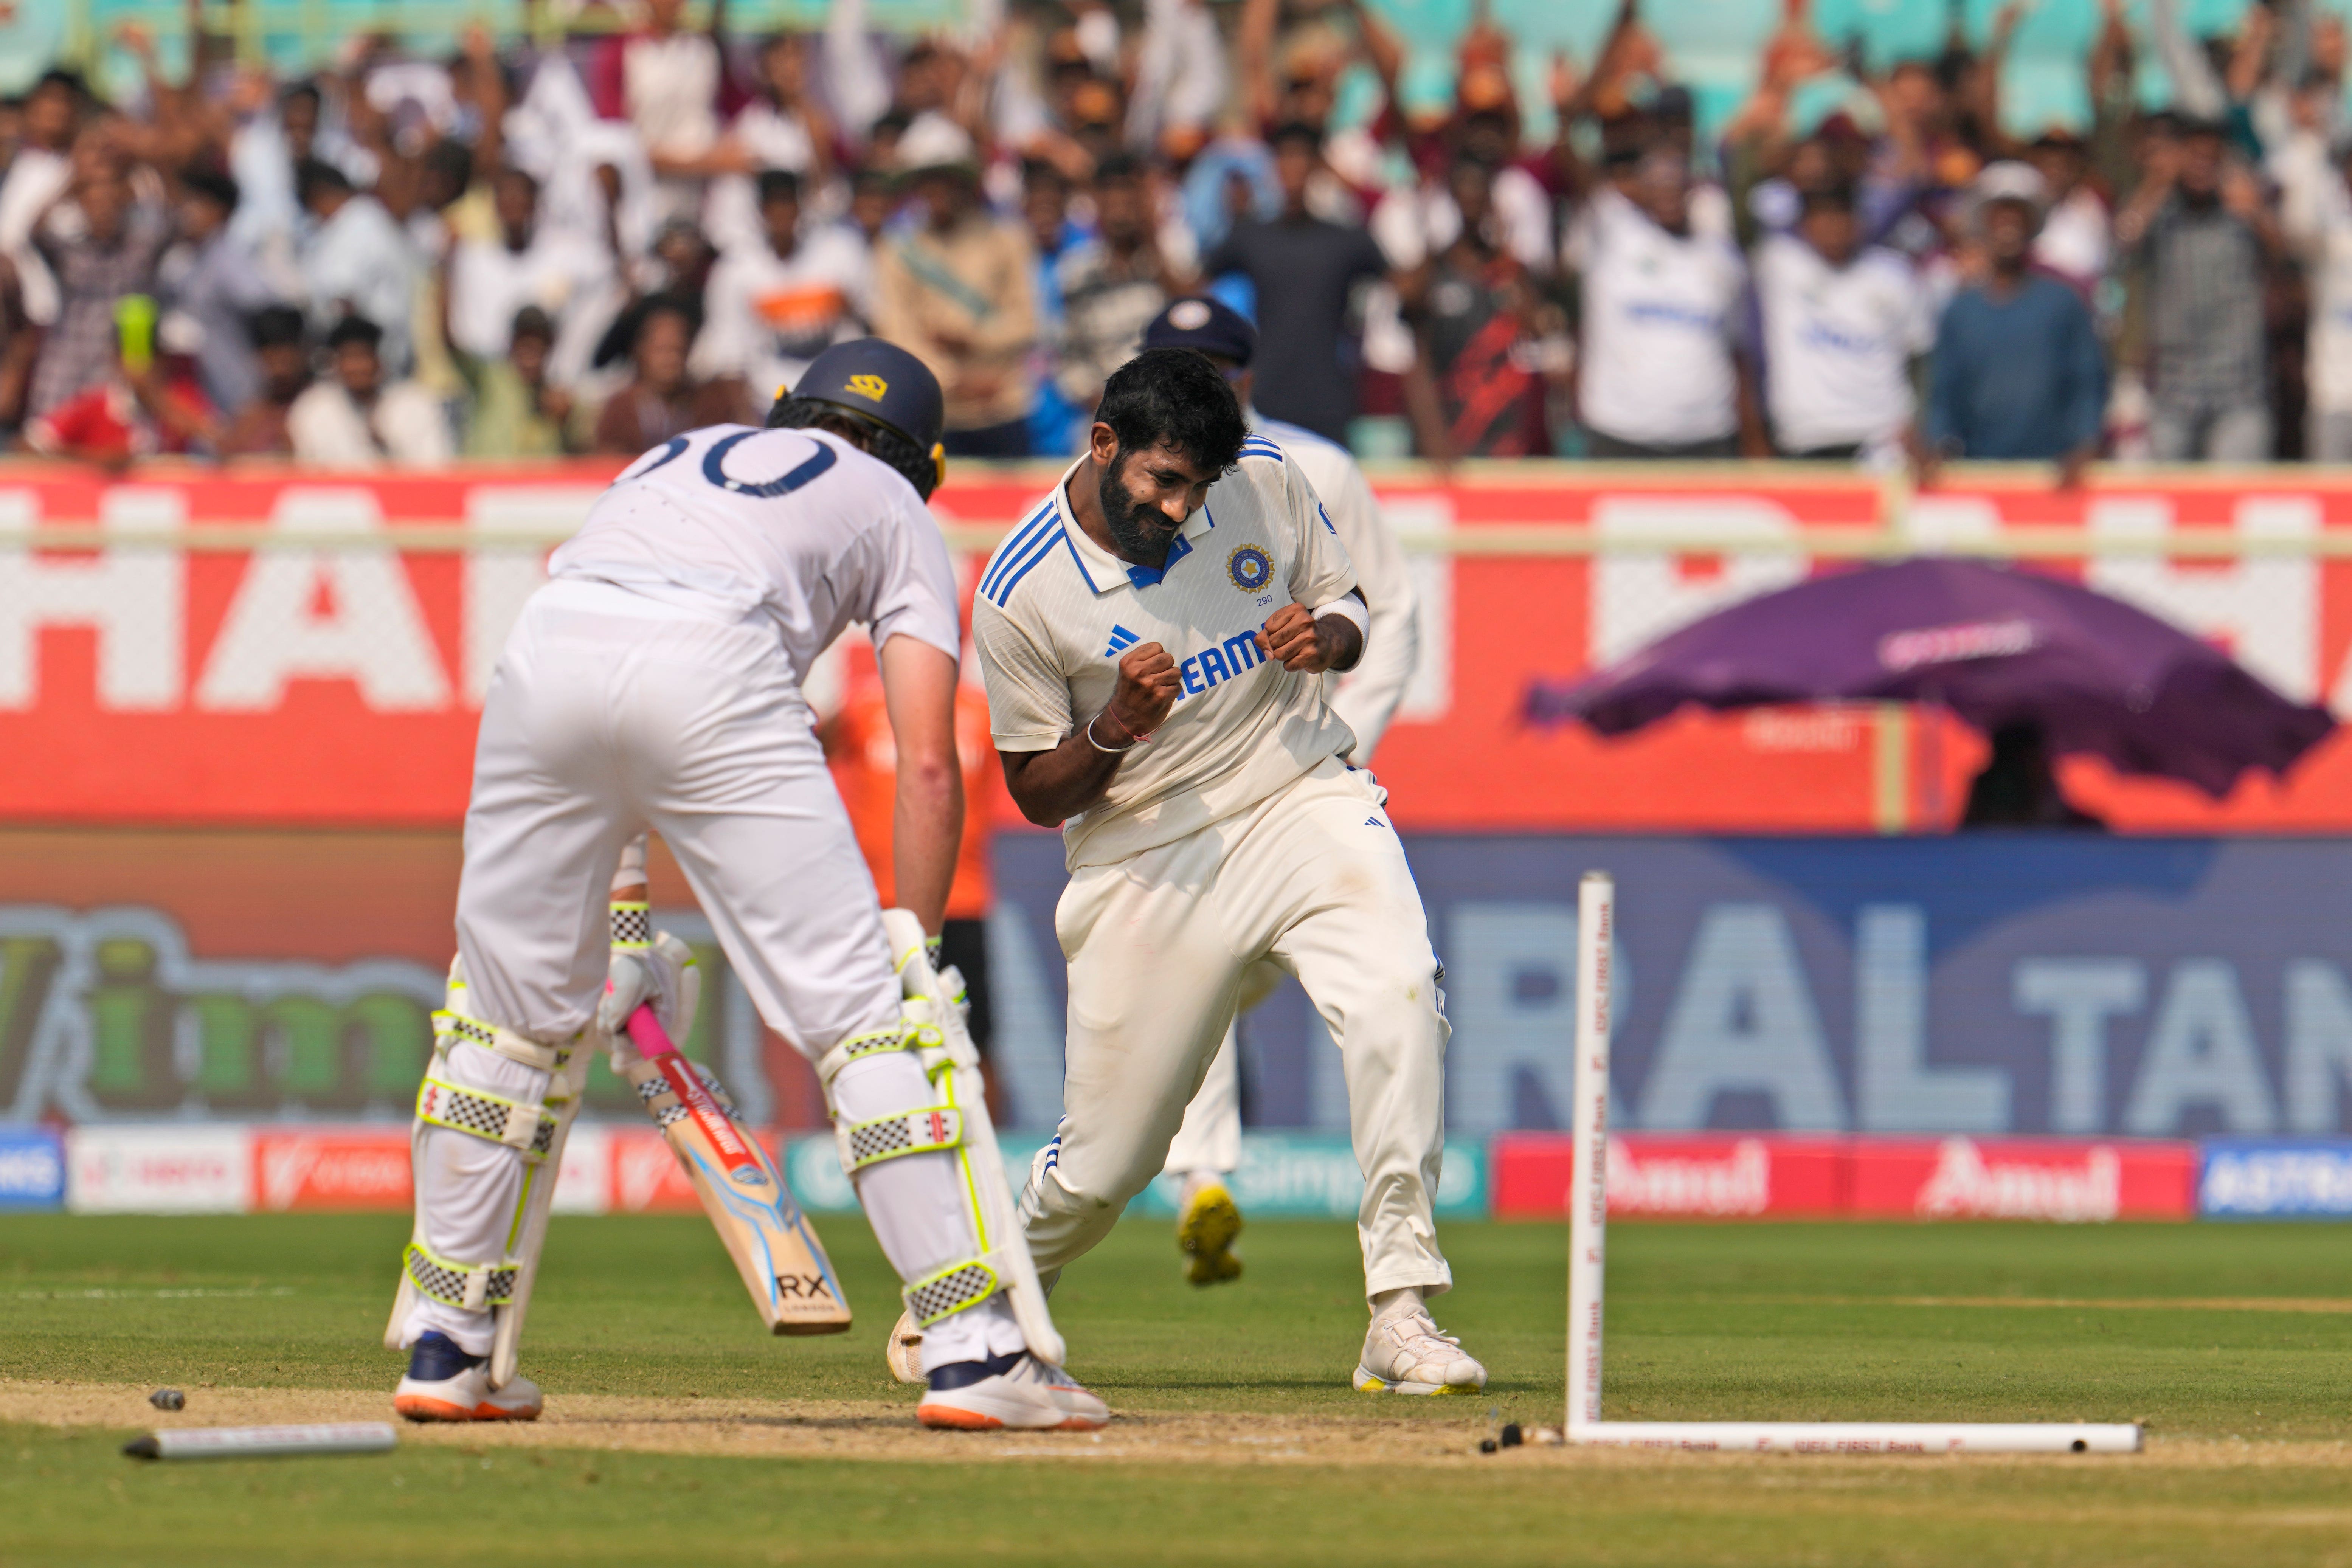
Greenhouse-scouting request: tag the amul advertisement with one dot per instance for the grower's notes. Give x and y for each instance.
(332, 674)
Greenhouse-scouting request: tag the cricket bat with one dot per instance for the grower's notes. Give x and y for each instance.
(774, 1248)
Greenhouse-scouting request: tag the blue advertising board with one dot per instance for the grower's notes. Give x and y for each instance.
(1991, 984)
(2270, 1178)
(32, 1168)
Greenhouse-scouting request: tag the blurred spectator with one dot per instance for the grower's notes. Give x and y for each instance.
(1841, 325)
(354, 421)
(1477, 390)
(210, 280)
(1304, 271)
(282, 354)
(1111, 285)
(1658, 373)
(355, 262)
(775, 306)
(784, 127)
(2017, 373)
(1054, 429)
(664, 82)
(149, 401)
(108, 251)
(2076, 241)
(528, 263)
(661, 400)
(516, 412)
(38, 175)
(2197, 235)
(2316, 218)
(958, 291)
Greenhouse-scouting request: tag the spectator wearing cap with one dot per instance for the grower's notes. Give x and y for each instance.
(662, 399)
(1660, 372)
(516, 411)
(110, 253)
(1111, 285)
(353, 421)
(957, 291)
(774, 307)
(1304, 272)
(210, 280)
(2196, 237)
(2017, 371)
(1841, 325)
(282, 354)
(1367, 695)
(355, 262)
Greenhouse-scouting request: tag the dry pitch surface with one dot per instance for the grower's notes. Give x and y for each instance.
(673, 1429)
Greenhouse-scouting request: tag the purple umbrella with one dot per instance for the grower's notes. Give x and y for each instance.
(1996, 646)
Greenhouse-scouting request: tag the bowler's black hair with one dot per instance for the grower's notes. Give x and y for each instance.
(1177, 396)
(880, 441)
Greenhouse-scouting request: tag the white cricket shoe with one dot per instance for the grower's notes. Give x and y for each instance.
(1205, 1234)
(445, 1384)
(904, 1354)
(1017, 1391)
(1406, 1354)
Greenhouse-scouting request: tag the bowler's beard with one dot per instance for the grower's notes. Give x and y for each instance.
(1141, 532)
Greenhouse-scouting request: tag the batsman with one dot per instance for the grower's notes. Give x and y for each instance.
(654, 682)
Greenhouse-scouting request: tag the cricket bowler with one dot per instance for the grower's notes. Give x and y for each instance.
(654, 682)
(1154, 639)
(1209, 1145)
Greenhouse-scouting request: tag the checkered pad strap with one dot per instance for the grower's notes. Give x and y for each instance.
(951, 1290)
(900, 1037)
(632, 925)
(474, 1286)
(922, 1132)
(517, 1123)
(449, 1029)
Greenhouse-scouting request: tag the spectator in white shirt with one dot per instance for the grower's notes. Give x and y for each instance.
(1843, 324)
(38, 175)
(1659, 373)
(669, 89)
(2077, 238)
(2316, 217)
(353, 421)
(357, 262)
(770, 309)
(784, 127)
(529, 263)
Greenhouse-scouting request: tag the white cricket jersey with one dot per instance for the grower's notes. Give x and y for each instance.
(1659, 314)
(1838, 342)
(1056, 611)
(798, 525)
(1366, 697)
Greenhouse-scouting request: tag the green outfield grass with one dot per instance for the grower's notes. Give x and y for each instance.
(2193, 1329)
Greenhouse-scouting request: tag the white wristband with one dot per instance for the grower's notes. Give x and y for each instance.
(1349, 607)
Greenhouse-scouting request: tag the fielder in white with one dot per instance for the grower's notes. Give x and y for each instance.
(1209, 1145)
(1154, 639)
(654, 682)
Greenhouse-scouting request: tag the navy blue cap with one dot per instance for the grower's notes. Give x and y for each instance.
(1208, 325)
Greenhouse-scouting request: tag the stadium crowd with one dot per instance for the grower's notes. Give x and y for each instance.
(590, 244)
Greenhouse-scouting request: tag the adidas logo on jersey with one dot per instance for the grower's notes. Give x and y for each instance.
(1122, 640)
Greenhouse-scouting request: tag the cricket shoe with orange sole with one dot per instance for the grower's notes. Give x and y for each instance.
(445, 1384)
(1015, 1391)
(1405, 1353)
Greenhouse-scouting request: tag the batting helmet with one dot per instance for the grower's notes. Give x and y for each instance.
(879, 384)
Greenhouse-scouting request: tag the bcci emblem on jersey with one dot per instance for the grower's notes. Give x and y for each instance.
(1250, 568)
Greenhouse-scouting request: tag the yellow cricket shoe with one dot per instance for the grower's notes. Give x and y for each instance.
(1205, 1234)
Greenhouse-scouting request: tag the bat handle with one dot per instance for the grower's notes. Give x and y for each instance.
(651, 1038)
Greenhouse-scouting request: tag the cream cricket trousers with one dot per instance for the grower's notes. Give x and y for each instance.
(611, 713)
(1313, 878)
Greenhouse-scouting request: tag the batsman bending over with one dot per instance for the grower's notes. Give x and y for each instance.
(654, 682)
